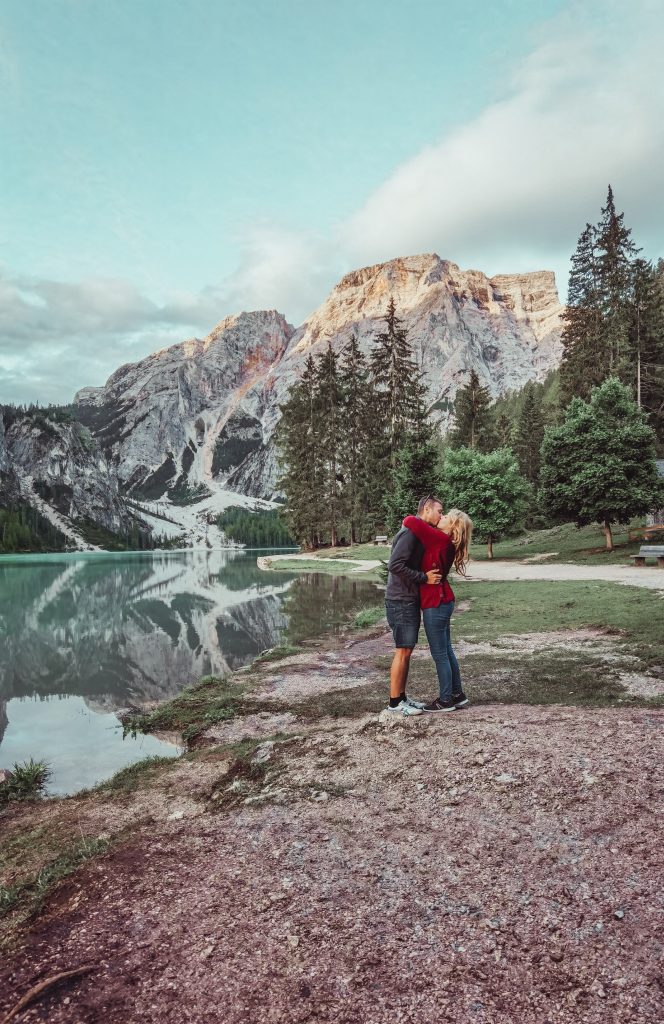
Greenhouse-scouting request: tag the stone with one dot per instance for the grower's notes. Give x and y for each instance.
(619, 914)
(5, 776)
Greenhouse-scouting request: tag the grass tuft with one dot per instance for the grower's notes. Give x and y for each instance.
(27, 781)
(369, 616)
(198, 707)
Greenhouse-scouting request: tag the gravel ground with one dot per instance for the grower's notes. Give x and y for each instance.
(499, 865)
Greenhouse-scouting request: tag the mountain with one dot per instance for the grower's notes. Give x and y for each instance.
(198, 418)
(57, 468)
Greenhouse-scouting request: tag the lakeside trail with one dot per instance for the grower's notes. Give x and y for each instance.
(497, 865)
(503, 570)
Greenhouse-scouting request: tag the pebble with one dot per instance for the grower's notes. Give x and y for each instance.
(176, 816)
(619, 914)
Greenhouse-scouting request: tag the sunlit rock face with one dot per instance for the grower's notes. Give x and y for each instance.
(205, 412)
(60, 469)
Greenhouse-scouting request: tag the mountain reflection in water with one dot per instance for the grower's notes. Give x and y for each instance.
(135, 628)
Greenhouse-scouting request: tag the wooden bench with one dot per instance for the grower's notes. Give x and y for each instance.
(380, 540)
(649, 551)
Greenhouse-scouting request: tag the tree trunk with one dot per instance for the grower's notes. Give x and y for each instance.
(608, 535)
(489, 547)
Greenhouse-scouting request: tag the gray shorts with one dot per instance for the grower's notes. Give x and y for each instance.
(403, 618)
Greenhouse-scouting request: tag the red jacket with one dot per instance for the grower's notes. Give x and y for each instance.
(439, 554)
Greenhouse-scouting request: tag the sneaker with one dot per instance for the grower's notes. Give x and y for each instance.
(414, 703)
(460, 700)
(440, 705)
(404, 708)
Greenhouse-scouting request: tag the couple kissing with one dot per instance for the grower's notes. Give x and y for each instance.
(423, 553)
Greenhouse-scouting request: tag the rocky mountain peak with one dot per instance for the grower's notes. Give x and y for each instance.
(201, 415)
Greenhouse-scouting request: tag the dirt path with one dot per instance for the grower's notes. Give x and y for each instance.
(652, 578)
(500, 865)
(648, 576)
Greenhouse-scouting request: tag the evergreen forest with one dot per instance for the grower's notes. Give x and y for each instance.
(357, 448)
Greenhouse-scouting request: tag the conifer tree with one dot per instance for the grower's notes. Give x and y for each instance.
(416, 473)
(472, 416)
(329, 402)
(363, 442)
(617, 252)
(647, 341)
(299, 446)
(397, 381)
(584, 363)
(529, 432)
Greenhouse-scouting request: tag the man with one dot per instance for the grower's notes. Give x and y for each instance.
(402, 602)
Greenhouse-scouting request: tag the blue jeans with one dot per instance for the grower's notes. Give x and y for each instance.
(437, 629)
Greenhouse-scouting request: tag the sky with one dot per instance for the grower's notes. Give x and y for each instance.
(167, 163)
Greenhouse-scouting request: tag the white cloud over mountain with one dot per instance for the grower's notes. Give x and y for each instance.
(508, 191)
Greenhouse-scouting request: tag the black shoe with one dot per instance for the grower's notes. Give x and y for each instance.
(460, 700)
(440, 705)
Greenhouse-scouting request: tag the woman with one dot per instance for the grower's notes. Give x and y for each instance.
(445, 545)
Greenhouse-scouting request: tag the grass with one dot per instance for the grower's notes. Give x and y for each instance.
(362, 551)
(27, 781)
(27, 893)
(584, 546)
(208, 702)
(131, 778)
(323, 564)
(369, 616)
(630, 617)
(277, 653)
(498, 609)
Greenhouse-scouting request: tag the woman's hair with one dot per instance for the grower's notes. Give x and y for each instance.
(461, 532)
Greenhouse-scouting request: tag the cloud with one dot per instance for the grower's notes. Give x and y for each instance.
(512, 189)
(508, 191)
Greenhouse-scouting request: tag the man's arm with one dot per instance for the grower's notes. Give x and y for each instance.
(402, 552)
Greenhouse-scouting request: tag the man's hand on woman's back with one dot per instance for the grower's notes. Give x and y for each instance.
(433, 576)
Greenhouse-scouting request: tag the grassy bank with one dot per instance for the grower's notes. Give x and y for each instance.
(566, 543)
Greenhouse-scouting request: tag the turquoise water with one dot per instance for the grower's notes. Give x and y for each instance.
(85, 635)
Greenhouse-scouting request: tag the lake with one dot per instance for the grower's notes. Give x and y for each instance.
(83, 635)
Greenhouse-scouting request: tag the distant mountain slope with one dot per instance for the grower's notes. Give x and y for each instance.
(57, 468)
(200, 416)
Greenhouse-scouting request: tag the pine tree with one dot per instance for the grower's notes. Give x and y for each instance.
(584, 363)
(472, 416)
(329, 402)
(416, 474)
(529, 432)
(647, 341)
(397, 381)
(299, 453)
(363, 450)
(617, 252)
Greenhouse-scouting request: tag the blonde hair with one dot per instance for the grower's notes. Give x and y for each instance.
(461, 533)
